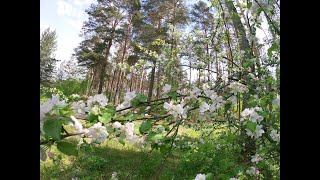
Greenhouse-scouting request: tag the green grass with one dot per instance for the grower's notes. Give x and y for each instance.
(101, 161)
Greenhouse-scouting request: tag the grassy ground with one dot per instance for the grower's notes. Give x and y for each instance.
(101, 161)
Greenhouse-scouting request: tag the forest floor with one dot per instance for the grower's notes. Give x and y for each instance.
(101, 161)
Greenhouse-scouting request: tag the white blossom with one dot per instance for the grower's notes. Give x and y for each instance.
(256, 158)
(175, 110)
(257, 133)
(130, 95)
(276, 101)
(234, 179)
(205, 86)
(200, 177)
(98, 98)
(203, 107)
(127, 100)
(74, 96)
(237, 88)
(76, 125)
(253, 171)
(166, 88)
(275, 136)
(79, 108)
(251, 114)
(116, 125)
(114, 176)
(47, 107)
(98, 132)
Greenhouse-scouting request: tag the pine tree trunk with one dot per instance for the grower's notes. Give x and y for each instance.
(152, 80)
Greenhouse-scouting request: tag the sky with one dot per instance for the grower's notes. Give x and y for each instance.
(67, 17)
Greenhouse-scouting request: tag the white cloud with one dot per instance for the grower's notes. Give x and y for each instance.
(67, 9)
(82, 2)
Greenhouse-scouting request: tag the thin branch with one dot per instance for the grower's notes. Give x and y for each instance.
(269, 19)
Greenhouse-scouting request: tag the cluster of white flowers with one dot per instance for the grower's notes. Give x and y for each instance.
(237, 87)
(74, 96)
(176, 110)
(79, 108)
(275, 136)
(98, 98)
(217, 101)
(206, 86)
(127, 100)
(114, 176)
(97, 132)
(276, 101)
(200, 177)
(234, 179)
(126, 132)
(224, 78)
(183, 91)
(253, 171)
(194, 93)
(166, 88)
(256, 158)
(257, 133)
(203, 107)
(47, 107)
(251, 114)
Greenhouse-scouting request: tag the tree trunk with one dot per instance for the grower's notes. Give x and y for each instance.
(103, 68)
(249, 148)
(152, 80)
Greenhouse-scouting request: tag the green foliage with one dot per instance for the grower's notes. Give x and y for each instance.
(140, 98)
(53, 128)
(72, 86)
(154, 136)
(48, 45)
(67, 148)
(105, 118)
(145, 127)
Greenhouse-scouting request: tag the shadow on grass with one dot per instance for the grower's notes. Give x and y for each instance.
(101, 162)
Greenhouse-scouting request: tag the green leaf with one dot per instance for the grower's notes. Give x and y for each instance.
(154, 136)
(273, 47)
(67, 148)
(145, 127)
(120, 119)
(121, 140)
(245, 64)
(132, 117)
(53, 128)
(105, 118)
(251, 126)
(166, 127)
(110, 111)
(173, 95)
(92, 117)
(249, 5)
(209, 176)
(164, 149)
(138, 99)
(95, 110)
